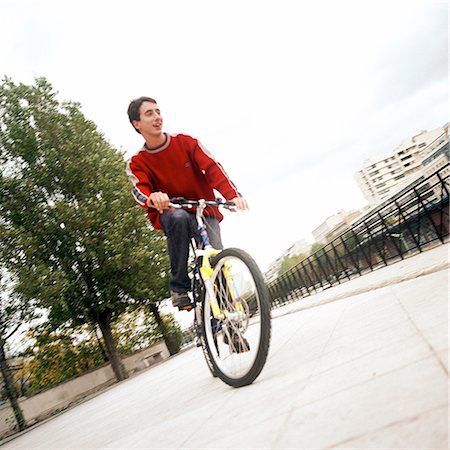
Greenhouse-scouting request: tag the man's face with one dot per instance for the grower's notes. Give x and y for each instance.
(150, 122)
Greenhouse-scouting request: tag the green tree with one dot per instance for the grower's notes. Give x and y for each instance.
(135, 329)
(68, 226)
(321, 259)
(316, 247)
(290, 261)
(141, 327)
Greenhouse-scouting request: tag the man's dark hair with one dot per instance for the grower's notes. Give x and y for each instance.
(133, 109)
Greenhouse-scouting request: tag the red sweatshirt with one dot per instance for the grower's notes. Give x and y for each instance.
(181, 167)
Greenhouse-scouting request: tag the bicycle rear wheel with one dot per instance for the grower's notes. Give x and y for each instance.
(237, 343)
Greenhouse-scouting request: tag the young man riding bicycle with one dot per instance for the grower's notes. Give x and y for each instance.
(170, 166)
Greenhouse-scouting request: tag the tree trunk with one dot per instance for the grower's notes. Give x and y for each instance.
(11, 391)
(168, 338)
(104, 322)
(102, 349)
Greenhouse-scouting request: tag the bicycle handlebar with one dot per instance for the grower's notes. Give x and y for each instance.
(181, 202)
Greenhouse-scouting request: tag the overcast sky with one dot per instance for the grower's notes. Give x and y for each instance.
(291, 97)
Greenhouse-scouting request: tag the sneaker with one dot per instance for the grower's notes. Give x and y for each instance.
(180, 299)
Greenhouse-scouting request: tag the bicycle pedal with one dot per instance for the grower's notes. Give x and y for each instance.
(242, 348)
(237, 345)
(186, 308)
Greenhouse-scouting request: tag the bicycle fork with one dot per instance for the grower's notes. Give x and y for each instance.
(206, 272)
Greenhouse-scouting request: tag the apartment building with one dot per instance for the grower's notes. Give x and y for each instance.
(382, 176)
(436, 158)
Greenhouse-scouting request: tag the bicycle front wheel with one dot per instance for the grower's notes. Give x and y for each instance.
(237, 341)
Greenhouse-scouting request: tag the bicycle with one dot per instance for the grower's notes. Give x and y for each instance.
(231, 303)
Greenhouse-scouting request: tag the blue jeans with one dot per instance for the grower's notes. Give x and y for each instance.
(180, 226)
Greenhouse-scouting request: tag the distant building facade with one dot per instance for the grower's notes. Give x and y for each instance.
(436, 158)
(299, 247)
(334, 225)
(324, 228)
(381, 177)
(272, 272)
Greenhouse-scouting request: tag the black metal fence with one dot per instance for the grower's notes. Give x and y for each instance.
(400, 227)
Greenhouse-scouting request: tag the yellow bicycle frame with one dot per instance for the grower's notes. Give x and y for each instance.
(206, 272)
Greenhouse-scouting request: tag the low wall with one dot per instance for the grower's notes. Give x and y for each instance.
(47, 402)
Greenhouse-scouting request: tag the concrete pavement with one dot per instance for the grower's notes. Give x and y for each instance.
(362, 365)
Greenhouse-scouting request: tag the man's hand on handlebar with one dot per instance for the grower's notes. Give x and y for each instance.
(159, 201)
(241, 203)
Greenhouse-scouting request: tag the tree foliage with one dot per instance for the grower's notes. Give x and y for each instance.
(68, 226)
(57, 355)
(139, 328)
(290, 261)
